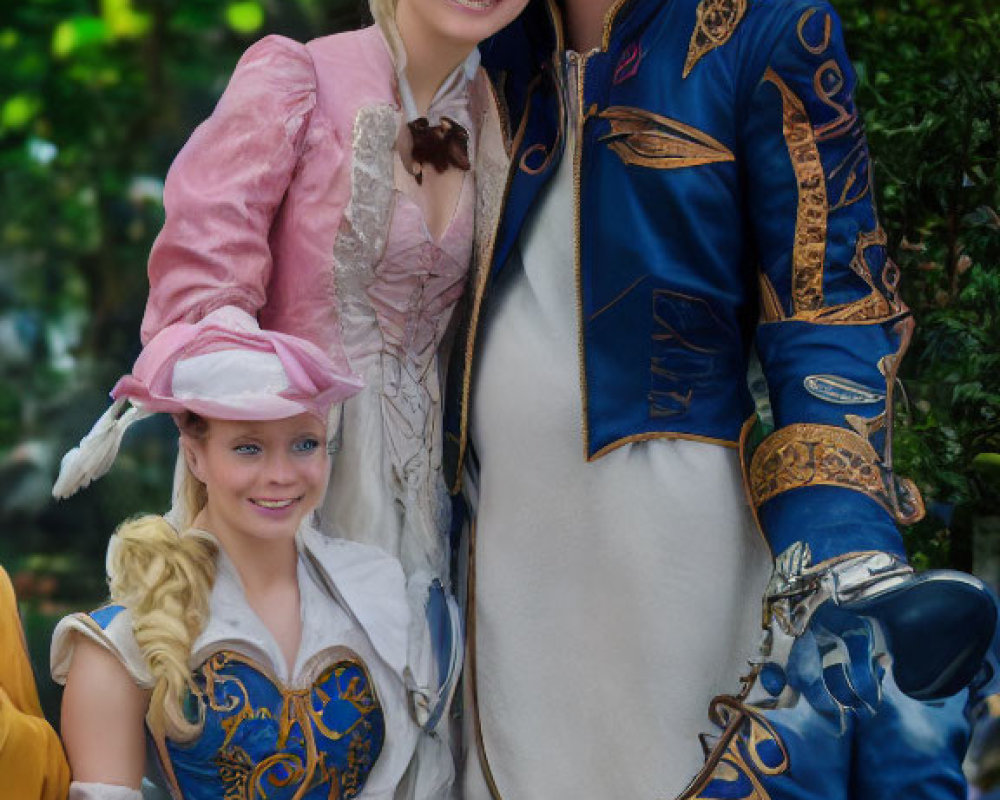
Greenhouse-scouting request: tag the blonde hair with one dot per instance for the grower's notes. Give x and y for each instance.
(165, 578)
(384, 14)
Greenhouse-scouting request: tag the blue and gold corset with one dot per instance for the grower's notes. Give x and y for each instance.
(262, 740)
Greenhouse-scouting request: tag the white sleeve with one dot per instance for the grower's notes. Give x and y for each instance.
(102, 791)
(111, 628)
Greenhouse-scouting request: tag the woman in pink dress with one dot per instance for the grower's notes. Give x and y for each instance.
(339, 193)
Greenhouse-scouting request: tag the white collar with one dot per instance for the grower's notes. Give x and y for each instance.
(364, 582)
(451, 92)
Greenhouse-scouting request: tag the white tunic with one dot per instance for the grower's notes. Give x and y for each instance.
(613, 599)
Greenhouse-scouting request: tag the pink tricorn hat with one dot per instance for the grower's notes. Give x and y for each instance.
(226, 367)
(222, 367)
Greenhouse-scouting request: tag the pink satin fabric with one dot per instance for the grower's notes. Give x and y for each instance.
(255, 199)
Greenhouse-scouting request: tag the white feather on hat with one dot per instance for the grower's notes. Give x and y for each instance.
(96, 452)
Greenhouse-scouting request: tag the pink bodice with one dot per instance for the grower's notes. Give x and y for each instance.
(387, 486)
(415, 286)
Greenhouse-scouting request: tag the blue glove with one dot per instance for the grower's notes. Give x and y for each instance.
(833, 629)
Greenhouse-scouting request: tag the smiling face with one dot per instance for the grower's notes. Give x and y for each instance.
(261, 478)
(456, 26)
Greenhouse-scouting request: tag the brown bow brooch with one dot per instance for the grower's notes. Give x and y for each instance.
(441, 146)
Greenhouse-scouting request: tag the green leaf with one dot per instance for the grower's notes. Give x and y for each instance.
(245, 17)
(987, 464)
(18, 111)
(122, 21)
(73, 34)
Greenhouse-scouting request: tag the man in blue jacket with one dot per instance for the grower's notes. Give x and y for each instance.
(690, 182)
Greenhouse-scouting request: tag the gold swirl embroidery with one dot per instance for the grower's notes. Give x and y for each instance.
(815, 49)
(359, 757)
(807, 454)
(875, 306)
(736, 759)
(811, 216)
(243, 779)
(295, 773)
(240, 702)
(715, 21)
(234, 765)
(529, 154)
(356, 693)
(856, 167)
(646, 139)
(828, 81)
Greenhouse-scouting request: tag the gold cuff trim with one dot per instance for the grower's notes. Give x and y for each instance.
(806, 454)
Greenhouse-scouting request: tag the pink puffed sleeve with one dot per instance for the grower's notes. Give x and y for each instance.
(226, 184)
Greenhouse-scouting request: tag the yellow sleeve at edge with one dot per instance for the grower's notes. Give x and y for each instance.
(32, 762)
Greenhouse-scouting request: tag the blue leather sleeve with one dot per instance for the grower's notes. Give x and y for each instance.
(833, 327)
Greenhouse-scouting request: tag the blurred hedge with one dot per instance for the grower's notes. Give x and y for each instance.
(98, 96)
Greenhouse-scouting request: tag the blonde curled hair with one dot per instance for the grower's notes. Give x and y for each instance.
(165, 578)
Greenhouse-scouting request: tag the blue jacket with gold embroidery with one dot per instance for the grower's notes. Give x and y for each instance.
(723, 198)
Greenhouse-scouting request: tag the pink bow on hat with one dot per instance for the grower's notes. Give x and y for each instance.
(222, 367)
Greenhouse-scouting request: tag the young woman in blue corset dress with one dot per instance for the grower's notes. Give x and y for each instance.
(258, 657)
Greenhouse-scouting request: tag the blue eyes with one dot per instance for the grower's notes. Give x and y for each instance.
(299, 446)
(305, 445)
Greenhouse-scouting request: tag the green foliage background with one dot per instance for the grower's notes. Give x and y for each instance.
(98, 95)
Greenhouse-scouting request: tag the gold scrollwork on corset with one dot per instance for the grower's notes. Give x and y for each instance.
(809, 249)
(244, 779)
(736, 760)
(807, 454)
(715, 21)
(234, 765)
(238, 708)
(646, 139)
